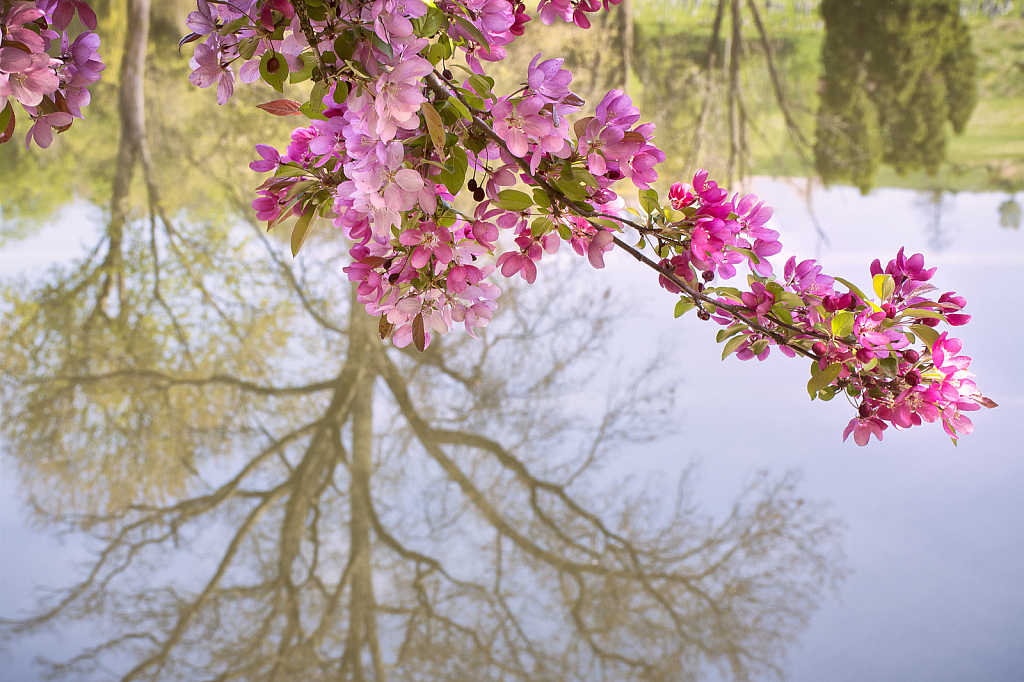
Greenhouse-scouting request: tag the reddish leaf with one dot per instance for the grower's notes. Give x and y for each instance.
(62, 104)
(988, 402)
(191, 37)
(419, 335)
(580, 126)
(8, 130)
(573, 100)
(384, 327)
(281, 107)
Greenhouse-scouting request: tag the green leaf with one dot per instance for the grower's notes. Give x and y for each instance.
(514, 200)
(340, 92)
(277, 78)
(471, 98)
(609, 225)
(884, 286)
(734, 343)
(824, 378)
(747, 253)
(921, 312)
(290, 170)
(842, 323)
(233, 26)
(852, 287)
(345, 46)
(571, 189)
(790, 299)
(541, 226)
(482, 87)
(302, 229)
(382, 46)
(782, 313)
(6, 119)
(247, 48)
(454, 180)
(473, 32)
(434, 127)
(541, 198)
(460, 107)
(585, 177)
(925, 333)
(684, 306)
(437, 52)
(648, 200)
(308, 62)
(723, 334)
(431, 22)
(731, 293)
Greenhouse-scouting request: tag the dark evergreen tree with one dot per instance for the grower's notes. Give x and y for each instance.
(895, 71)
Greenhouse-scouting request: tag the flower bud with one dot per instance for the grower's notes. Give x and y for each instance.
(819, 348)
(911, 356)
(913, 377)
(864, 411)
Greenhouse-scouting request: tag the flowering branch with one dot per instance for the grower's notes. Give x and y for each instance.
(392, 142)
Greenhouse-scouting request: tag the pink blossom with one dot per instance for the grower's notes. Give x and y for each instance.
(41, 131)
(863, 428)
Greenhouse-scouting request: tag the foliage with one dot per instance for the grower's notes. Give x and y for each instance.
(894, 75)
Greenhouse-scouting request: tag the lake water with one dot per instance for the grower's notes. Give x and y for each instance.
(934, 533)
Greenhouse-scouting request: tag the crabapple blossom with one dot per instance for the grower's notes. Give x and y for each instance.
(392, 143)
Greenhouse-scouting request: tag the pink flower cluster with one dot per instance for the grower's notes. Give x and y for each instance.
(720, 232)
(393, 141)
(572, 11)
(52, 90)
(863, 347)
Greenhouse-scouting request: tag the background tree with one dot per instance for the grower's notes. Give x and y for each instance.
(894, 74)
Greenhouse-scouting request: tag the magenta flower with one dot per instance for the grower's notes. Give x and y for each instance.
(547, 79)
(399, 97)
(759, 299)
(29, 84)
(517, 124)
(208, 69)
(64, 11)
(42, 130)
(916, 404)
(806, 278)
(270, 160)
(430, 240)
(204, 20)
(681, 195)
(863, 428)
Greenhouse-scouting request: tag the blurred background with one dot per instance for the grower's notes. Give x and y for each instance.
(213, 471)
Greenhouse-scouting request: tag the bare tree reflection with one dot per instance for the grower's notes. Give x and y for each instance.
(360, 512)
(274, 494)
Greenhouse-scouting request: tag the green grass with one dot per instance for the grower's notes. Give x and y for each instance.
(988, 156)
(995, 132)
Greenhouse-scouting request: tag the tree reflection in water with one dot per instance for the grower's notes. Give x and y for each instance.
(274, 494)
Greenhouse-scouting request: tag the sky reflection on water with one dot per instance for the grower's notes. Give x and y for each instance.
(935, 534)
